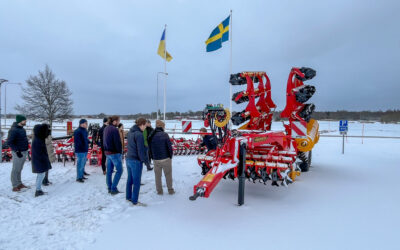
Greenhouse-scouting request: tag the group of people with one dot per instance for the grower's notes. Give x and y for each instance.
(42, 152)
(144, 144)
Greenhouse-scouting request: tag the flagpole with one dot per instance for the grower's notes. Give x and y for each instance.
(230, 66)
(165, 71)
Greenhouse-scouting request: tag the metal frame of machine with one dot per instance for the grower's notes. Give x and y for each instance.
(254, 151)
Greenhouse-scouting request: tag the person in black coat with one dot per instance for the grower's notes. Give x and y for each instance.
(18, 142)
(101, 144)
(146, 134)
(40, 157)
(162, 152)
(208, 140)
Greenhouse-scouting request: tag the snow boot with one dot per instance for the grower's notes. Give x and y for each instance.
(115, 192)
(80, 180)
(39, 193)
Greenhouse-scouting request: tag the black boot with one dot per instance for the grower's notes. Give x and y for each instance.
(80, 180)
(84, 173)
(149, 168)
(39, 193)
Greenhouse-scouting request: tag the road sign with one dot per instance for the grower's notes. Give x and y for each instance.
(343, 126)
(187, 127)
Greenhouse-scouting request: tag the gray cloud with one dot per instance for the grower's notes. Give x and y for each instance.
(106, 50)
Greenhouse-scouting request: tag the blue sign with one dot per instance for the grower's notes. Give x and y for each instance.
(343, 126)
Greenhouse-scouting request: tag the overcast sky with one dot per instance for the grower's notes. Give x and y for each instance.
(106, 50)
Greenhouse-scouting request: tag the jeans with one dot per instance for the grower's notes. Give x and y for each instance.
(80, 166)
(39, 180)
(134, 177)
(114, 160)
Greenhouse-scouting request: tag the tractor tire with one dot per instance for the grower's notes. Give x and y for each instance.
(306, 158)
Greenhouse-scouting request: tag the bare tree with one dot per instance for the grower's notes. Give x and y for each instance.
(46, 98)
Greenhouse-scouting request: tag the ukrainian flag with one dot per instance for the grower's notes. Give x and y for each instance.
(219, 35)
(161, 48)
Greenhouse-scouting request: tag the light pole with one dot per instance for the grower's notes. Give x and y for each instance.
(1, 133)
(158, 73)
(5, 100)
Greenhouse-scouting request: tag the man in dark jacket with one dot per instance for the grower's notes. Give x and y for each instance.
(135, 158)
(161, 151)
(113, 151)
(18, 143)
(40, 157)
(208, 140)
(101, 144)
(81, 143)
(146, 134)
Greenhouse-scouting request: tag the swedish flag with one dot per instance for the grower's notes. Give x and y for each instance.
(219, 35)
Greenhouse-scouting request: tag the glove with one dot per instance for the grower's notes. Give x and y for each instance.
(19, 154)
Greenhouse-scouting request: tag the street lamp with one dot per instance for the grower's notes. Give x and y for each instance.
(1, 133)
(158, 73)
(5, 99)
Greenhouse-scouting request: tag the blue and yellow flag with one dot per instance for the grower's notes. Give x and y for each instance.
(161, 48)
(219, 35)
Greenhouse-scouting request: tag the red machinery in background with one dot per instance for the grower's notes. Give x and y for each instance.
(253, 151)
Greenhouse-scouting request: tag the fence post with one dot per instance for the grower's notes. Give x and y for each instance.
(343, 145)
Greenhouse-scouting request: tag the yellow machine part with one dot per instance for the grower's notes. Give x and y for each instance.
(294, 174)
(307, 144)
(225, 121)
(244, 126)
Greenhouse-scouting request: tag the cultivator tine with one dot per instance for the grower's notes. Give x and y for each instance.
(274, 178)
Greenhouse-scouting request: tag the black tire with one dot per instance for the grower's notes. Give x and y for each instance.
(306, 161)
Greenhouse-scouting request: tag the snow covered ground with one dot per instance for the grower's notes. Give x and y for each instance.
(348, 201)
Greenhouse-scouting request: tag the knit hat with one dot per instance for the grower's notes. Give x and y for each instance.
(82, 121)
(20, 118)
(105, 119)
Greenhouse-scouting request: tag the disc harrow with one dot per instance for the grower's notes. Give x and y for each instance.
(253, 151)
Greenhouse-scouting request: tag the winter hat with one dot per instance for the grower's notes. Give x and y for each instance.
(105, 119)
(20, 118)
(82, 121)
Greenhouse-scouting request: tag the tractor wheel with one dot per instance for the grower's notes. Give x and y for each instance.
(305, 157)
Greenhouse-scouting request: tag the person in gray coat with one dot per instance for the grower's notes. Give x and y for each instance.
(52, 156)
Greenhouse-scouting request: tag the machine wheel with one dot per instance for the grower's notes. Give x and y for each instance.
(305, 157)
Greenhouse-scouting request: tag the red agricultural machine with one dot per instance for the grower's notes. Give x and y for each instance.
(183, 146)
(253, 151)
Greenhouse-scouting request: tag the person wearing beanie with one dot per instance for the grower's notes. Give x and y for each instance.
(101, 144)
(81, 143)
(162, 152)
(18, 142)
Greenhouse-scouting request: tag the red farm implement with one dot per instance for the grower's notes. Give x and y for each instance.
(182, 146)
(253, 151)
